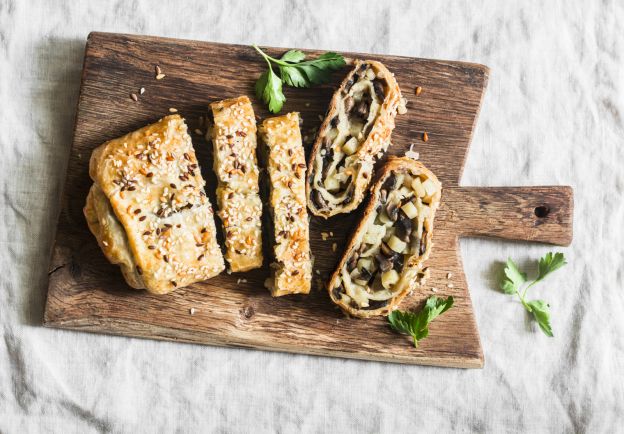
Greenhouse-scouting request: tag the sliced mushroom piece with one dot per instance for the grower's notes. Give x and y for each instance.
(379, 89)
(348, 103)
(383, 195)
(365, 274)
(423, 243)
(390, 183)
(327, 161)
(349, 195)
(385, 263)
(398, 264)
(392, 210)
(318, 200)
(403, 227)
(362, 108)
(337, 291)
(352, 263)
(387, 251)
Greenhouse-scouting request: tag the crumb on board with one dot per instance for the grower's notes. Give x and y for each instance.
(418, 90)
(411, 153)
(334, 247)
(425, 137)
(434, 289)
(324, 236)
(449, 275)
(449, 285)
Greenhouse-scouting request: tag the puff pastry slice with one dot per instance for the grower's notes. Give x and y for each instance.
(240, 208)
(292, 267)
(148, 209)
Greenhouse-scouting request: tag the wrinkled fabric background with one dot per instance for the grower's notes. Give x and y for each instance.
(553, 114)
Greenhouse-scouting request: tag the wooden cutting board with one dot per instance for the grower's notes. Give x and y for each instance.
(87, 293)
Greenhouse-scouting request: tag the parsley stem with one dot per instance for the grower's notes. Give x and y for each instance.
(522, 299)
(270, 59)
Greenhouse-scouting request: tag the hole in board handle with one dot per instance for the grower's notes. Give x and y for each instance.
(541, 211)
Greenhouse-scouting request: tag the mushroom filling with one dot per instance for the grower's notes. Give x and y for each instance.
(337, 164)
(394, 233)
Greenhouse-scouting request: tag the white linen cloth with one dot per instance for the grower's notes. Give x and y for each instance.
(553, 114)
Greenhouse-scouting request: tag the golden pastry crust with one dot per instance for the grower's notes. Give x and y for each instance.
(155, 191)
(292, 269)
(357, 127)
(234, 143)
(110, 235)
(371, 256)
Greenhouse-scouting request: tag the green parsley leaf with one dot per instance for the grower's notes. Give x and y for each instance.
(515, 279)
(295, 72)
(293, 77)
(269, 90)
(550, 263)
(540, 311)
(293, 56)
(417, 324)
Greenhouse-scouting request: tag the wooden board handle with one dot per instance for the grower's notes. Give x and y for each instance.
(542, 214)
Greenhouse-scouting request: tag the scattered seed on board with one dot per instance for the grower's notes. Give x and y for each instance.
(450, 285)
(449, 275)
(173, 110)
(418, 90)
(160, 76)
(134, 97)
(434, 289)
(425, 136)
(192, 311)
(158, 70)
(334, 247)
(198, 131)
(142, 91)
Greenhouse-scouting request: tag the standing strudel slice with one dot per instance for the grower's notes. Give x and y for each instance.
(240, 208)
(357, 127)
(291, 271)
(384, 259)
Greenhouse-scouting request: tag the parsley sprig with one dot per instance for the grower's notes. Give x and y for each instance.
(515, 279)
(295, 72)
(417, 324)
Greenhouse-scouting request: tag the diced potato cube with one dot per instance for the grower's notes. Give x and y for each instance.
(350, 147)
(331, 183)
(418, 187)
(410, 210)
(389, 278)
(396, 244)
(430, 187)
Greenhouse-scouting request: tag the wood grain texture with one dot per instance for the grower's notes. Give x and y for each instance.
(87, 293)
